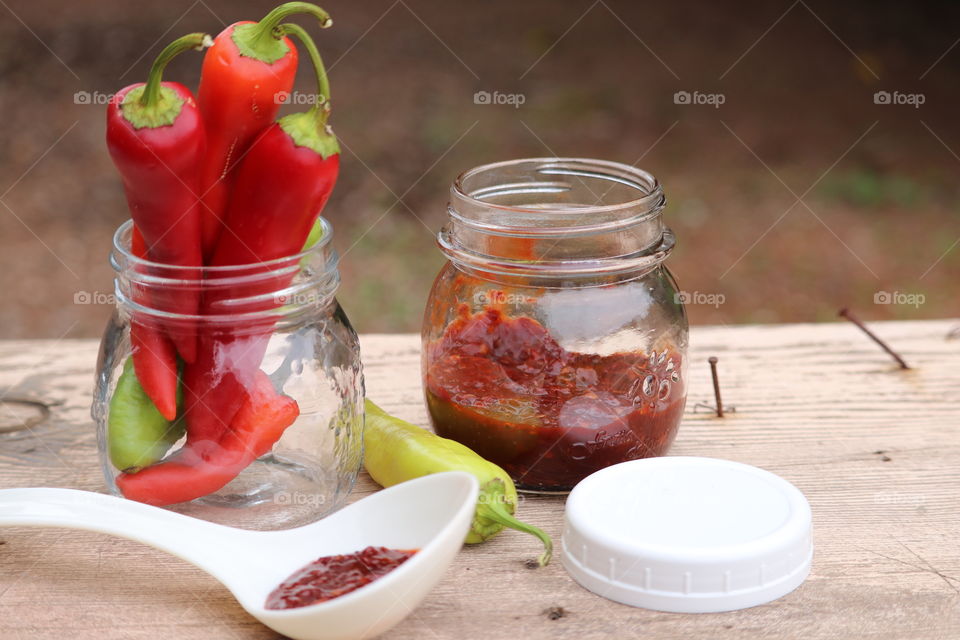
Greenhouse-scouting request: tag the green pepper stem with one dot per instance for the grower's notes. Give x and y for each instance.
(496, 512)
(267, 28)
(321, 110)
(151, 93)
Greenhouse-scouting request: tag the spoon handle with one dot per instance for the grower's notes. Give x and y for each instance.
(209, 546)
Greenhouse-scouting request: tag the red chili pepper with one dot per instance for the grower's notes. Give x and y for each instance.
(247, 74)
(283, 182)
(155, 363)
(198, 470)
(156, 139)
(154, 356)
(281, 186)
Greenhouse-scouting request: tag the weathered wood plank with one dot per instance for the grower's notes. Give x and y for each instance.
(876, 450)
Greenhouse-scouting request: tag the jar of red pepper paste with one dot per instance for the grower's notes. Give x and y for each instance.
(554, 339)
(265, 427)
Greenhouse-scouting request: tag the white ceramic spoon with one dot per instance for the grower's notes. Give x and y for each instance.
(431, 514)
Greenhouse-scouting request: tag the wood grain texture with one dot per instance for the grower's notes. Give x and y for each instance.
(874, 448)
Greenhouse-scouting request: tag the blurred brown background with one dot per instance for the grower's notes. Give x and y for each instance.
(877, 188)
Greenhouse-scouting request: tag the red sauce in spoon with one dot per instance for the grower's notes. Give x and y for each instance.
(330, 577)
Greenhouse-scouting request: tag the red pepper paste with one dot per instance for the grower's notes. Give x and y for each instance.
(504, 387)
(333, 576)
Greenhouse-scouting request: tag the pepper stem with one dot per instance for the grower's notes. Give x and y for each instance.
(263, 39)
(309, 129)
(320, 110)
(151, 93)
(153, 105)
(495, 510)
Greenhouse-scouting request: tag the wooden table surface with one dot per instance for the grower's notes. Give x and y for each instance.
(875, 449)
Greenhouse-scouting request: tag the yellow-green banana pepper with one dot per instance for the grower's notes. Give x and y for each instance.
(396, 451)
(137, 434)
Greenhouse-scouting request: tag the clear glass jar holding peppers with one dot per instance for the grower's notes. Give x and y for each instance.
(229, 376)
(554, 339)
(281, 347)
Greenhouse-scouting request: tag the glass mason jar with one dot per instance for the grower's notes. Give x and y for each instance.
(554, 339)
(269, 410)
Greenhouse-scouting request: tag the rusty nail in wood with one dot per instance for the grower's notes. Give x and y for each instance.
(846, 313)
(716, 384)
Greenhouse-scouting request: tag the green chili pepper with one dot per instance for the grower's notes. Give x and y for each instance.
(396, 451)
(137, 434)
(316, 233)
(315, 236)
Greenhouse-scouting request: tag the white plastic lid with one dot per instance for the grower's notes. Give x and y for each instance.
(685, 534)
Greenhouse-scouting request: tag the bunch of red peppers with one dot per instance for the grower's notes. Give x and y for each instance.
(216, 181)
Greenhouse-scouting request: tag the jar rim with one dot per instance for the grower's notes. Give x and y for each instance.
(544, 217)
(282, 288)
(121, 246)
(559, 269)
(649, 203)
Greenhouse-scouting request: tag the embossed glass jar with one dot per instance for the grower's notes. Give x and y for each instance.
(275, 327)
(554, 339)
